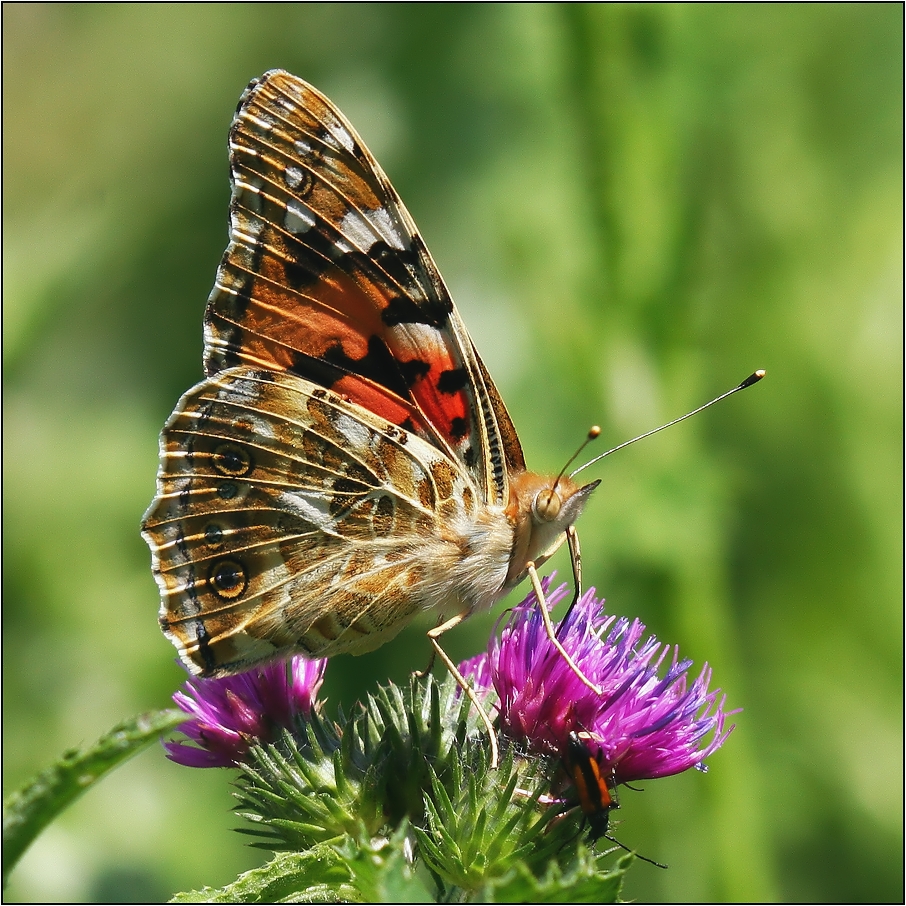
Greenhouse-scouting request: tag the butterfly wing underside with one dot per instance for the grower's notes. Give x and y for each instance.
(276, 498)
(310, 489)
(327, 277)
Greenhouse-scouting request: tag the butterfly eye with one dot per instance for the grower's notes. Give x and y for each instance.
(546, 505)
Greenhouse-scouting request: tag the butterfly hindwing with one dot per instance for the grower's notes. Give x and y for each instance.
(276, 496)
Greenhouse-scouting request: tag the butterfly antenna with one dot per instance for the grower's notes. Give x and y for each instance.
(593, 433)
(751, 379)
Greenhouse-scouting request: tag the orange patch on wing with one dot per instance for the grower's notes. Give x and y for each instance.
(381, 402)
(449, 411)
(337, 309)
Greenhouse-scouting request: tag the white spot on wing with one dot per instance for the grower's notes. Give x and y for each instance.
(294, 177)
(298, 219)
(354, 431)
(337, 134)
(389, 229)
(420, 340)
(358, 230)
(314, 510)
(248, 196)
(364, 231)
(344, 137)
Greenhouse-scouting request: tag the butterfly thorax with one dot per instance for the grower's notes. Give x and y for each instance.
(541, 509)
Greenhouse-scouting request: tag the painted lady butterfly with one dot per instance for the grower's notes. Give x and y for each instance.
(347, 463)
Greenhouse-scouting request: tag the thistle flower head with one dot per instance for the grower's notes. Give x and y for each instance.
(230, 714)
(540, 698)
(642, 725)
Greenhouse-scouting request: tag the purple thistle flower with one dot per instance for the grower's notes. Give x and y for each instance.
(641, 726)
(541, 698)
(231, 713)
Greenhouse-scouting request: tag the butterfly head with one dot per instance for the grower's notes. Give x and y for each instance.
(541, 509)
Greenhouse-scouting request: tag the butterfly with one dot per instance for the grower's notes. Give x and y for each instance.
(347, 463)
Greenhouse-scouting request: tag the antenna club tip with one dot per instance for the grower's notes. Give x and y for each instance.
(753, 378)
(594, 431)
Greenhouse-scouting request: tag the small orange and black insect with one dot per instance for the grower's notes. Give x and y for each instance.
(595, 791)
(596, 796)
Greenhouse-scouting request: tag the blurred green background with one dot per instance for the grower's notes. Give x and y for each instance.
(634, 207)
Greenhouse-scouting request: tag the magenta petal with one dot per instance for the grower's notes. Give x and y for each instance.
(229, 714)
(193, 757)
(648, 720)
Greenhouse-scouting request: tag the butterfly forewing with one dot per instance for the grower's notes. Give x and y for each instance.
(326, 277)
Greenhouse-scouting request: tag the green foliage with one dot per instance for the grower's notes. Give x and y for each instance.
(360, 775)
(362, 872)
(317, 875)
(28, 810)
(634, 206)
(480, 823)
(583, 882)
(380, 871)
(455, 831)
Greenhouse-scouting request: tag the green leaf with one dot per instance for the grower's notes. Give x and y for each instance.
(381, 872)
(300, 792)
(316, 875)
(583, 883)
(30, 809)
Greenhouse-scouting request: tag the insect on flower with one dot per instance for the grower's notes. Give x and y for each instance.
(595, 791)
(347, 463)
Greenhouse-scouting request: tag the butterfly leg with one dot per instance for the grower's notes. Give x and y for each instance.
(551, 633)
(423, 673)
(575, 558)
(464, 684)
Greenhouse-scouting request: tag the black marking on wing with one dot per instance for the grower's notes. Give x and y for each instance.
(459, 427)
(453, 381)
(403, 310)
(414, 370)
